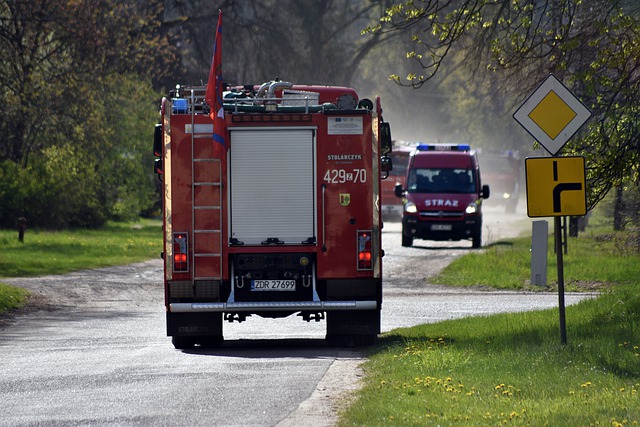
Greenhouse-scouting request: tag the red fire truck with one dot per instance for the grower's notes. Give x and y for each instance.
(282, 219)
(392, 205)
(502, 172)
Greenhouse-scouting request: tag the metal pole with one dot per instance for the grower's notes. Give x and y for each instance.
(565, 226)
(558, 235)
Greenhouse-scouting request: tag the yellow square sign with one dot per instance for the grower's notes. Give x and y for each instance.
(552, 114)
(556, 186)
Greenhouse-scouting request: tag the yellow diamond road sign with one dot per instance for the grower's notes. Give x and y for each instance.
(556, 186)
(552, 114)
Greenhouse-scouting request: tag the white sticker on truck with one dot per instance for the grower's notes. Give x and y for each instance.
(344, 126)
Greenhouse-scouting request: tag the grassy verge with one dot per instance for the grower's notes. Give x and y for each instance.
(59, 252)
(594, 260)
(11, 297)
(510, 369)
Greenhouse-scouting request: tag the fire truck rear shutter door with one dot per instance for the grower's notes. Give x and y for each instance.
(272, 185)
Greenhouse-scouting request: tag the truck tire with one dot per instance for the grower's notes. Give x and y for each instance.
(407, 239)
(186, 343)
(213, 341)
(352, 329)
(183, 343)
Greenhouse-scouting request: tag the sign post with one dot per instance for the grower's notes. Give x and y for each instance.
(556, 186)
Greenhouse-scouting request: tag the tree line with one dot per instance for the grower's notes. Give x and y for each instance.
(76, 100)
(81, 81)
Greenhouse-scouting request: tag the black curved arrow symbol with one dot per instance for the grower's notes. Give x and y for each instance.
(558, 189)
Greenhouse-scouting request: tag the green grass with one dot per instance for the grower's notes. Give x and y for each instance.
(11, 297)
(592, 261)
(509, 369)
(59, 252)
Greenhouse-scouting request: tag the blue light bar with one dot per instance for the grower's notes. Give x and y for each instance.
(443, 147)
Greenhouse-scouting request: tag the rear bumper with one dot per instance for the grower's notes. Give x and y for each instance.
(253, 307)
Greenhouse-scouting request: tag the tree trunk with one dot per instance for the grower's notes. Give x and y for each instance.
(618, 210)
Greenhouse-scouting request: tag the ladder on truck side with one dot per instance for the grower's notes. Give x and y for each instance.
(206, 202)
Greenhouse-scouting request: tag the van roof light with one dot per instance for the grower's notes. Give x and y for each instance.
(443, 147)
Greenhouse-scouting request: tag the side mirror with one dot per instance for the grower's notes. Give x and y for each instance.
(485, 192)
(386, 166)
(157, 140)
(385, 138)
(398, 190)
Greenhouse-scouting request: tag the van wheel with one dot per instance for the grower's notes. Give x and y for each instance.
(477, 239)
(407, 239)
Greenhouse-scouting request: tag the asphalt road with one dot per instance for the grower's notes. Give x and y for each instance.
(96, 352)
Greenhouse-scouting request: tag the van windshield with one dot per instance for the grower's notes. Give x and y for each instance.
(441, 180)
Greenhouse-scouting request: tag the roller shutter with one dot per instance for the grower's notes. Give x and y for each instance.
(272, 187)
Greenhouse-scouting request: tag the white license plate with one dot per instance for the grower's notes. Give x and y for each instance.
(441, 227)
(273, 285)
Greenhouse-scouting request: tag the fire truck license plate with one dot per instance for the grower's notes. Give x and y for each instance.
(273, 285)
(441, 227)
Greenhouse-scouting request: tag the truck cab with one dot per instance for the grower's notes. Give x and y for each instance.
(391, 205)
(443, 196)
(502, 172)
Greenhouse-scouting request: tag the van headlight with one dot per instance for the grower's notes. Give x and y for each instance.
(472, 208)
(410, 207)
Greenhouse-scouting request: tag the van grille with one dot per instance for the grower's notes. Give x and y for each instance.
(441, 214)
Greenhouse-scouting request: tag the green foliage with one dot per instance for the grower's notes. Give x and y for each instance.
(102, 170)
(591, 46)
(78, 110)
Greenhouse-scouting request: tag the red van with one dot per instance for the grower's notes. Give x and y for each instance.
(443, 195)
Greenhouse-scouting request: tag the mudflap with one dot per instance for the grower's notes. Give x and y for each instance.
(353, 328)
(190, 329)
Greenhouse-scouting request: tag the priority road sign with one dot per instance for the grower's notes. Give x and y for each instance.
(556, 186)
(552, 114)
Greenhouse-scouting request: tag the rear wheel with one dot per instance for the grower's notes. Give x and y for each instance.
(214, 341)
(183, 343)
(407, 238)
(352, 329)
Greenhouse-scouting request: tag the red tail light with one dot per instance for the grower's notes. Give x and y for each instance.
(365, 256)
(180, 252)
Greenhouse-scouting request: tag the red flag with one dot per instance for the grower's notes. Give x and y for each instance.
(213, 96)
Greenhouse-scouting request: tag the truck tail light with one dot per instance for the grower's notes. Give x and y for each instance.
(180, 252)
(365, 257)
